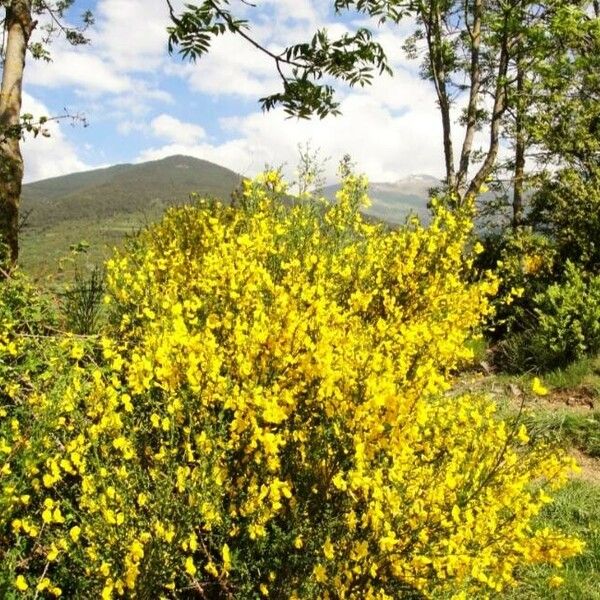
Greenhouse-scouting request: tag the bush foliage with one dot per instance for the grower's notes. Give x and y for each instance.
(567, 208)
(568, 317)
(264, 414)
(561, 326)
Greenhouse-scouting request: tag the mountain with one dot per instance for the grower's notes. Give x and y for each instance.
(105, 205)
(124, 189)
(393, 202)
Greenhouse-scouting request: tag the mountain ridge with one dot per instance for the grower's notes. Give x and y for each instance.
(104, 205)
(124, 188)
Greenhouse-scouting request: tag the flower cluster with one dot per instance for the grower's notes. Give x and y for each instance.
(265, 414)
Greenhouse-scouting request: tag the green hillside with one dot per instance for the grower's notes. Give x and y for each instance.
(104, 205)
(393, 202)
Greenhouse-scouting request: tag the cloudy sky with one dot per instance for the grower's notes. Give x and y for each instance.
(142, 104)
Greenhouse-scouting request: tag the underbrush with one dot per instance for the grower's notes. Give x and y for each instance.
(262, 413)
(575, 508)
(580, 430)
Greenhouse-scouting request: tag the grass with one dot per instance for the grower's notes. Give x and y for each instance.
(582, 373)
(572, 429)
(46, 255)
(576, 509)
(569, 415)
(479, 347)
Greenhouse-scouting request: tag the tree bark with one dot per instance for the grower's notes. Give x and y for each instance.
(519, 174)
(433, 25)
(475, 78)
(18, 27)
(500, 104)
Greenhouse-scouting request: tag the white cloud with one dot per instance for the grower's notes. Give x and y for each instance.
(129, 126)
(127, 47)
(173, 130)
(232, 67)
(296, 10)
(391, 128)
(48, 156)
(385, 143)
(132, 34)
(79, 69)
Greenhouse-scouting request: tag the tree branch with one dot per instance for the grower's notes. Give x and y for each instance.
(500, 104)
(475, 76)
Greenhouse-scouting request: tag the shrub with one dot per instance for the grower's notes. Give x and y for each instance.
(265, 415)
(568, 318)
(563, 325)
(525, 264)
(82, 302)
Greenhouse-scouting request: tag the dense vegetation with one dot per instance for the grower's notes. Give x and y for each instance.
(277, 397)
(263, 411)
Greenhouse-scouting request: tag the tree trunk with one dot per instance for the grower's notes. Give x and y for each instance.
(433, 25)
(475, 80)
(519, 173)
(18, 26)
(500, 104)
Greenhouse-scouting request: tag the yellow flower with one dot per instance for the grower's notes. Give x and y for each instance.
(226, 557)
(77, 351)
(538, 388)
(136, 550)
(190, 567)
(320, 573)
(328, 550)
(21, 583)
(57, 516)
(556, 581)
(74, 532)
(522, 434)
(107, 591)
(53, 553)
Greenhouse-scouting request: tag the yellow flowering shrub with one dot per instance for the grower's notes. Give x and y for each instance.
(267, 414)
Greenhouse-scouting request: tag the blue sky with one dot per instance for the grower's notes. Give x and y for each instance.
(141, 104)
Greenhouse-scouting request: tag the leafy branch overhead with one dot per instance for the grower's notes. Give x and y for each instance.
(55, 25)
(352, 57)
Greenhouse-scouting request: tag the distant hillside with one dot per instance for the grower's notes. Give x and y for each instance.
(104, 205)
(124, 189)
(393, 202)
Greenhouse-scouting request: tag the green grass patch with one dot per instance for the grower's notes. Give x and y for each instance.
(582, 373)
(479, 346)
(580, 430)
(576, 509)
